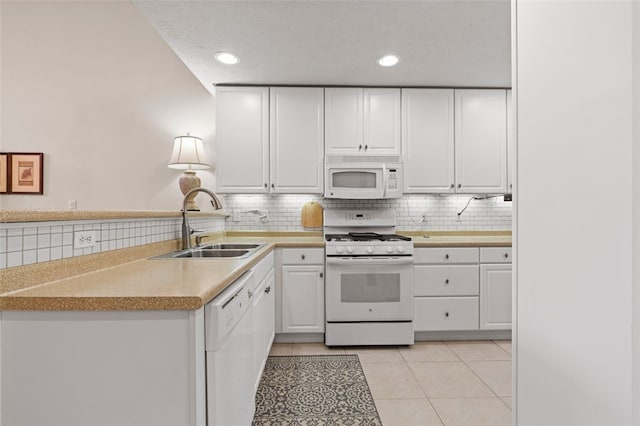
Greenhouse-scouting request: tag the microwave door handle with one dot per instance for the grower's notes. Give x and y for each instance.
(384, 181)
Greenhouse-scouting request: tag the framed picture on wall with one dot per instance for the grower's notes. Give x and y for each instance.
(4, 173)
(26, 171)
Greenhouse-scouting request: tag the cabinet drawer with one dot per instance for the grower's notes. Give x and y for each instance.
(495, 255)
(303, 256)
(446, 313)
(262, 269)
(446, 255)
(437, 280)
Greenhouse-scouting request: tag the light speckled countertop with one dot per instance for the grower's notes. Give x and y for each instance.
(185, 284)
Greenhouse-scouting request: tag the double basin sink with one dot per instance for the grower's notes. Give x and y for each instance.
(214, 251)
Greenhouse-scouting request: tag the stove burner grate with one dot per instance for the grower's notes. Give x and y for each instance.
(366, 236)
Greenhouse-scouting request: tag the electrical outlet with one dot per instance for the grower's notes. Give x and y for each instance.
(82, 239)
(72, 204)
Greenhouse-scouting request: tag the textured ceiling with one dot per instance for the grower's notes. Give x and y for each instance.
(440, 43)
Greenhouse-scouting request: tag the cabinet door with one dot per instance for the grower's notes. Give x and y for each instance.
(297, 139)
(343, 120)
(263, 324)
(427, 140)
(302, 299)
(381, 121)
(481, 141)
(495, 297)
(242, 163)
(511, 141)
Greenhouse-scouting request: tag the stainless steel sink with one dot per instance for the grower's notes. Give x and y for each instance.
(230, 246)
(213, 251)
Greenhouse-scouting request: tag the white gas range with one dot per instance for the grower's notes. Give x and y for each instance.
(369, 279)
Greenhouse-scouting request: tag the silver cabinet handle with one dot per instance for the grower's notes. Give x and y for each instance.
(267, 290)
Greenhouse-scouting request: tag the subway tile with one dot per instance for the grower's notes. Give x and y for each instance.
(67, 252)
(3, 244)
(56, 240)
(67, 238)
(29, 257)
(30, 231)
(44, 240)
(44, 254)
(29, 242)
(14, 232)
(56, 253)
(56, 229)
(14, 259)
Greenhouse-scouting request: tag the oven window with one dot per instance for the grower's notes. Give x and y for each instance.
(370, 288)
(356, 179)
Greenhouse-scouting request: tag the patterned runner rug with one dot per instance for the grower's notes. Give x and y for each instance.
(314, 390)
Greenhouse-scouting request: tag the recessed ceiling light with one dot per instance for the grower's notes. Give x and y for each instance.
(226, 58)
(388, 60)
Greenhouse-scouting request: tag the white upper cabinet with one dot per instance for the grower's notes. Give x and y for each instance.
(242, 155)
(481, 141)
(362, 121)
(297, 139)
(511, 142)
(381, 121)
(428, 140)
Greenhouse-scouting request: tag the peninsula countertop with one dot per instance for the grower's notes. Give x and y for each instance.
(187, 284)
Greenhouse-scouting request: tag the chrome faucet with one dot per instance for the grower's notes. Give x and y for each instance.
(186, 229)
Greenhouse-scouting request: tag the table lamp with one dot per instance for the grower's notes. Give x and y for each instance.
(188, 155)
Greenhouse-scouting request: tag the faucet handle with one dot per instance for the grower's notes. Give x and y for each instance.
(193, 231)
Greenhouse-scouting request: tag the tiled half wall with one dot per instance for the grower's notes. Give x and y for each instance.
(415, 213)
(24, 243)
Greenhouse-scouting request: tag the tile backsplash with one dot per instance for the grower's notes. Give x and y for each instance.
(415, 212)
(24, 243)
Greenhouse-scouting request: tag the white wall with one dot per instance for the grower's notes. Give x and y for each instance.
(636, 212)
(94, 87)
(574, 213)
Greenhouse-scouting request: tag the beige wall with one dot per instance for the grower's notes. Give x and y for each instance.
(95, 88)
(636, 211)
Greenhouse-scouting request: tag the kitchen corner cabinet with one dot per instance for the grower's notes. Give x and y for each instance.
(302, 291)
(297, 140)
(242, 139)
(362, 121)
(481, 141)
(428, 140)
(495, 288)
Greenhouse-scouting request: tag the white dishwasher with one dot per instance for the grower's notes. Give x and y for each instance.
(229, 351)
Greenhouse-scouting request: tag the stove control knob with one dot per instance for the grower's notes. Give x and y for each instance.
(369, 250)
(389, 249)
(349, 249)
(339, 249)
(400, 249)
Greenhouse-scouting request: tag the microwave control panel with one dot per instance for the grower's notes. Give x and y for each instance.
(392, 178)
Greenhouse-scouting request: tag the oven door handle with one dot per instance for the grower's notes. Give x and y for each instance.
(408, 260)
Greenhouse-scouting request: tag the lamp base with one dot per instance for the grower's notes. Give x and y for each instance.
(189, 181)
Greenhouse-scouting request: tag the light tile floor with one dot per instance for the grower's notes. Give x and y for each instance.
(432, 383)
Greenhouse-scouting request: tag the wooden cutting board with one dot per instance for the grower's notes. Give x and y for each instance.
(311, 215)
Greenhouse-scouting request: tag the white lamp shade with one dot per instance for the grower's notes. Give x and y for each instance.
(188, 154)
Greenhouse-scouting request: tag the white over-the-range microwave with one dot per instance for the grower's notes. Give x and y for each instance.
(360, 177)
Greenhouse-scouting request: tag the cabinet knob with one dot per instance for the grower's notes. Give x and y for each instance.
(446, 281)
(250, 294)
(303, 257)
(446, 256)
(452, 186)
(459, 185)
(321, 274)
(267, 290)
(506, 255)
(359, 147)
(265, 185)
(446, 314)
(366, 147)
(273, 185)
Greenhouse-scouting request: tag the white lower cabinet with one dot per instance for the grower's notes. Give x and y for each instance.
(495, 291)
(462, 289)
(263, 324)
(302, 293)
